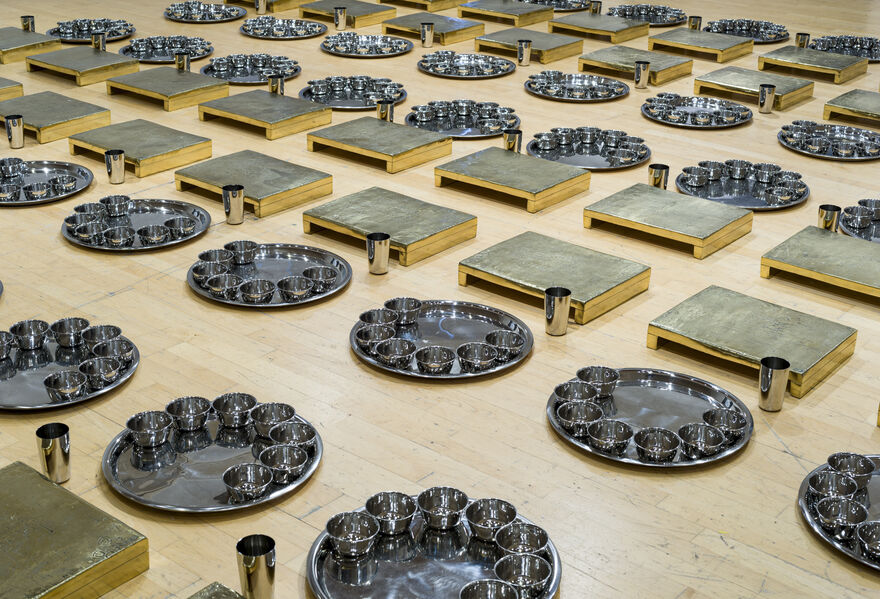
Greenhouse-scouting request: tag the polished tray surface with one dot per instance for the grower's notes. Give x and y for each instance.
(353, 45)
(419, 564)
(250, 69)
(159, 49)
(463, 119)
(748, 192)
(851, 45)
(801, 137)
(646, 397)
(275, 261)
(79, 31)
(450, 324)
(869, 497)
(185, 474)
(684, 111)
(562, 5)
(760, 32)
(577, 87)
(359, 92)
(142, 213)
(869, 233)
(656, 14)
(272, 28)
(40, 171)
(452, 65)
(596, 155)
(196, 12)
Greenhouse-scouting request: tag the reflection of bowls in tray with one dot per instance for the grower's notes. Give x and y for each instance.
(267, 415)
(699, 440)
(151, 459)
(840, 516)
(442, 507)
(246, 482)
(149, 429)
(287, 462)
(189, 413)
(7, 344)
(352, 534)
(486, 516)
(609, 436)
(393, 511)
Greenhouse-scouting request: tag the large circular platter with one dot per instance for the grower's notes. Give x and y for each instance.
(691, 106)
(449, 65)
(224, 14)
(40, 171)
(835, 133)
(576, 88)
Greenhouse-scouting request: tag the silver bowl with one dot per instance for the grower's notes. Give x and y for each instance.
(203, 271)
(234, 409)
(380, 316)
(520, 538)
(352, 533)
(577, 416)
(100, 372)
(149, 429)
(575, 391)
(96, 334)
(267, 415)
(442, 507)
(294, 433)
(529, 574)
(858, 217)
(36, 191)
(407, 309)
(293, 289)
(189, 413)
(508, 344)
(873, 205)
(476, 356)
(62, 184)
(117, 205)
(859, 467)
(74, 220)
(224, 286)
(91, 208)
(488, 588)
(65, 385)
(435, 359)
(30, 334)
(12, 167)
(828, 483)
(655, 444)
(222, 256)
(8, 342)
(868, 534)
(120, 348)
(243, 252)
(731, 422)
(695, 176)
(604, 379)
(153, 234)
(840, 516)
(395, 352)
(765, 172)
(68, 331)
(738, 169)
(247, 482)
(118, 237)
(180, 227)
(257, 291)
(487, 516)
(700, 440)
(322, 277)
(370, 335)
(609, 436)
(91, 233)
(287, 462)
(9, 192)
(392, 510)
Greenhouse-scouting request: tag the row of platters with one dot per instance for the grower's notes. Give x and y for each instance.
(695, 112)
(355, 45)
(355, 92)
(440, 339)
(159, 49)
(267, 27)
(251, 69)
(831, 142)
(55, 365)
(453, 65)
(193, 11)
(575, 87)
(79, 31)
(649, 417)
(590, 148)
(203, 456)
(862, 220)
(24, 183)
(740, 183)
(438, 544)
(463, 118)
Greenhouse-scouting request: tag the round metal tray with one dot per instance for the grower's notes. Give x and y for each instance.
(651, 17)
(422, 576)
(590, 161)
(130, 31)
(408, 46)
(736, 192)
(251, 78)
(694, 104)
(869, 233)
(646, 397)
(239, 12)
(872, 57)
(43, 170)
(162, 58)
(344, 101)
(757, 39)
(506, 67)
(562, 5)
(827, 155)
(177, 480)
(321, 30)
(529, 86)
(447, 127)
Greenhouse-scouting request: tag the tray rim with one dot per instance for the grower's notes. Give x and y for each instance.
(310, 97)
(681, 188)
(578, 100)
(730, 451)
(421, 68)
(240, 10)
(409, 119)
(651, 117)
(408, 48)
(164, 60)
(89, 179)
(788, 146)
(297, 70)
(531, 152)
(82, 40)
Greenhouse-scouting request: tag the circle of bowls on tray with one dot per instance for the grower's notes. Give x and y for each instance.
(575, 87)
(831, 142)
(267, 27)
(453, 65)
(355, 45)
(440, 339)
(161, 49)
(590, 147)
(760, 186)
(562, 5)
(852, 45)
(463, 118)
(355, 92)
(193, 11)
(649, 417)
(54, 365)
(695, 112)
(251, 69)
(268, 275)
(439, 543)
(840, 501)
(79, 31)
(198, 455)
(761, 32)
(862, 220)
(25, 183)
(120, 223)
(657, 15)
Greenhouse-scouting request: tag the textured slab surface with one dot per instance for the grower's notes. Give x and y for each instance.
(857, 102)
(806, 57)
(14, 38)
(700, 39)
(623, 58)
(266, 107)
(511, 169)
(44, 109)
(6, 83)
(591, 21)
(168, 81)
(82, 59)
(140, 139)
(540, 40)
(354, 8)
(749, 81)
(374, 135)
(215, 590)
(442, 24)
(505, 7)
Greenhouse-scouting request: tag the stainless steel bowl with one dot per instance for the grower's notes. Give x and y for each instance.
(699, 440)
(529, 574)
(873, 205)
(118, 237)
(738, 169)
(828, 483)
(91, 208)
(149, 429)
(120, 348)
(234, 409)
(487, 516)
(370, 335)
(189, 413)
(868, 534)
(181, 227)
(100, 372)
(508, 344)
(322, 277)
(604, 379)
(65, 385)
(9, 192)
(380, 316)
(257, 291)
(352, 533)
(68, 331)
(76, 219)
(435, 359)
(287, 462)
(30, 334)
(858, 217)
(840, 516)
(8, 342)
(36, 191)
(153, 234)
(295, 433)
(766, 171)
(91, 233)
(731, 422)
(575, 391)
(392, 510)
(395, 352)
(695, 176)
(577, 416)
(522, 538)
(488, 589)
(610, 436)
(476, 356)
(247, 482)
(294, 289)
(243, 252)
(224, 286)
(203, 271)
(222, 256)
(442, 507)
(655, 444)
(859, 467)
(116, 205)
(267, 415)
(407, 309)
(98, 333)
(11, 167)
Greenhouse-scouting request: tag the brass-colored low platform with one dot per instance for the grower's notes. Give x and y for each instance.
(429, 5)
(530, 263)
(271, 5)
(270, 185)
(546, 47)
(746, 83)
(215, 590)
(447, 30)
(418, 229)
(540, 182)
(58, 546)
(17, 44)
(400, 147)
(614, 29)
(277, 115)
(52, 116)
(704, 44)
(707, 226)
(841, 67)
(622, 59)
(511, 12)
(175, 89)
(84, 63)
(856, 103)
(10, 89)
(358, 13)
(149, 147)
(742, 329)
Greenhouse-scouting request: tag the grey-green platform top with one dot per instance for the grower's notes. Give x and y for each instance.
(540, 40)
(261, 105)
(750, 80)
(82, 58)
(512, 169)
(48, 108)
(139, 139)
(370, 133)
(168, 81)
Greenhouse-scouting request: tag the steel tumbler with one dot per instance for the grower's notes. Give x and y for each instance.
(829, 217)
(695, 23)
(53, 445)
(15, 130)
(378, 251)
(766, 98)
(276, 84)
(99, 40)
(27, 23)
(641, 73)
(773, 381)
(658, 175)
(385, 110)
(523, 52)
(512, 140)
(114, 160)
(801, 40)
(426, 33)
(340, 18)
(596, 7)
(256, 566)
(233, 204)
(181, 61)
(557, 302)
(261, 6)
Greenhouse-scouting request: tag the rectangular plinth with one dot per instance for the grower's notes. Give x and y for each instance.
(57, 546)
(840, 67)
(277, 115)
(84, 63)
(215, 590)
(857, 103)
(511, 12)
(418, 229)
(740, 82)
(16, 44)
(270, 185)
(622, 59)
(546, 47)
(52, 116)
(10, 89)
(429, 5)
(614, 29)
(176, 89)
(705, 44)
(540, 182)
(149, 147)
(398, 146)
(530, 263)
(743, 329)
(358, 13)
(447, 30)
(707, 226)
(271, 5)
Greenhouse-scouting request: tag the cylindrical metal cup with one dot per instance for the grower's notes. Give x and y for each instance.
(378, 250)
(385, 110)
(523, 52)
(766, 98)
(15, 130)
(512, 140)
(557, 302)
(695, 23)
(233, 204)
(276, 84)
(773, 381)
(426, 32)
(256, 566)
(99, 40)
(596, 7)
(27, 23)
(801, 40)
(829, 217)
(261, 6)
(53, 445)
(641, 74)
(658, 175)
(181, 61)
(340, 18)
(115, 162)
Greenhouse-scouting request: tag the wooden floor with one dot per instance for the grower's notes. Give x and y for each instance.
(726, 531)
